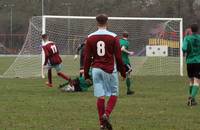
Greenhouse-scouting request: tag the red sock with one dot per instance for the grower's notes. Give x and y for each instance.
(110, 105)
(62, 75)
(49, 76)
(101, 108)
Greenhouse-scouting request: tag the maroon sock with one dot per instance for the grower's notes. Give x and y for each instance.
(62, 75)
(101, 108)
(49, 76)
(110, 105)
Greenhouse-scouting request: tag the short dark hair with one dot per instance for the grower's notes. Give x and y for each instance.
(125, 34)
(194, 27)
(102, 19)
(44, 36)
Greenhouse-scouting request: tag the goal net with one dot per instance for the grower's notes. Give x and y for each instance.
(156, 42)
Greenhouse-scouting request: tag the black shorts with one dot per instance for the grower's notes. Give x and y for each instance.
(193, 70)
(128, 68)
(76, 84)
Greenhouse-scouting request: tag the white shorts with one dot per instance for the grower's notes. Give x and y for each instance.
(105, 84)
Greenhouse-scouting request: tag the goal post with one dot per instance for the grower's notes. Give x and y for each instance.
(69, 31)
(181, 45)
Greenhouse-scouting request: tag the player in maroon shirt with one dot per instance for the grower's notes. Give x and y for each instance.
(52, 59)
(103, 55)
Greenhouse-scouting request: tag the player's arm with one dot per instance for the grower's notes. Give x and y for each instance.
(80, 47)
(44, 61)
(45, 53)
(123, 48)
(78, 50)
(188, 31)
(118, 57)
(185, 44)
(87, 60)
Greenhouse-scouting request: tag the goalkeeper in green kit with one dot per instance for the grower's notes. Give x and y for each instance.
(125, 57)
(79, 84)
(191, 46)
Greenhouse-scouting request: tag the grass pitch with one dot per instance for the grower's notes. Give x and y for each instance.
(158, 104)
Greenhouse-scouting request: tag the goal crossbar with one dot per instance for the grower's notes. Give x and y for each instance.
(113, 18)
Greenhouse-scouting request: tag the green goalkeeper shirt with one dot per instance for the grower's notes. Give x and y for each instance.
(125, 43)
(191, 46)
(83, 84)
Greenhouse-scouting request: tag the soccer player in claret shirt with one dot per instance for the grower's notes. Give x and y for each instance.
(191, 46)
(125, 57)
(103, 54)
(52, 59)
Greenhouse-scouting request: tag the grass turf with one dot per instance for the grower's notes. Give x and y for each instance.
(158, 104)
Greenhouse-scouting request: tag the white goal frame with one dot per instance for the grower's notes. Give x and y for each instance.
(44, 17)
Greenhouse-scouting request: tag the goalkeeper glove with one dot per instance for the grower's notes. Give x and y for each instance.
(89, 81)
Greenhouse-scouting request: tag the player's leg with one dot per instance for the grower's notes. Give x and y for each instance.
(101, 109)
(49, 73)
(195, 87)
(106, 122)
(190, 76)
(194, 75)
(99, 93)
(191, 82)
(194, 92)
(128, 84)
(129, 68)
(113, 83)
(61, 74)
(111, 104)
(128, 80)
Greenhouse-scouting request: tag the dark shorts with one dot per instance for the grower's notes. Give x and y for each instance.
(193, 70)
(76, 84)
(128, 68)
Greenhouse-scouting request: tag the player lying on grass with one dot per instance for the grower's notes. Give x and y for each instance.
(52, 59)
(79, 84)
